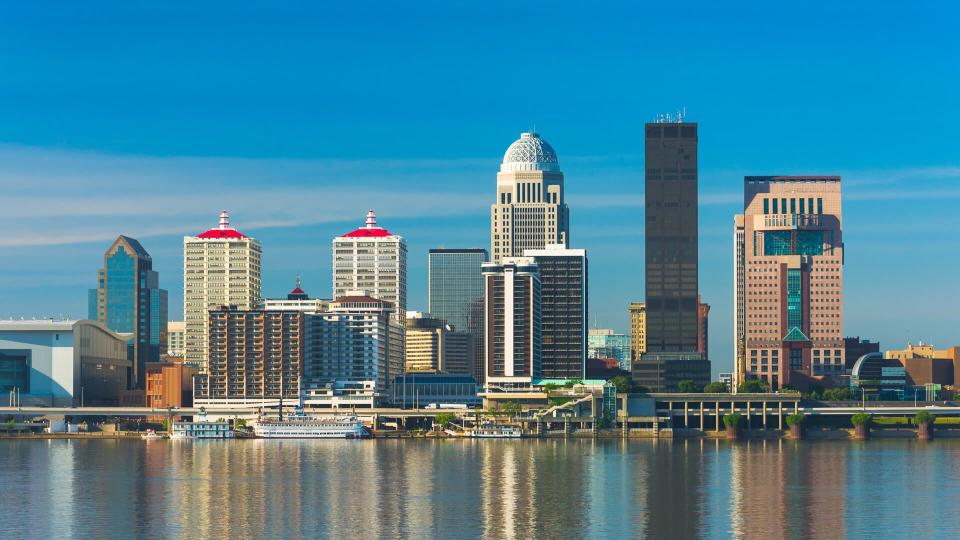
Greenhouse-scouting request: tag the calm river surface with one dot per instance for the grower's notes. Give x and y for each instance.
(479, 489)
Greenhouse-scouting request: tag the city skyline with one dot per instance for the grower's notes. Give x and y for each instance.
(297, 184)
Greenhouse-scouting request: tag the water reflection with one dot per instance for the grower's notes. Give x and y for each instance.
(479, 489)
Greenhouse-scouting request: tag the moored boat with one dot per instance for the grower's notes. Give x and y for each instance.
(302, 426)
(494, 431)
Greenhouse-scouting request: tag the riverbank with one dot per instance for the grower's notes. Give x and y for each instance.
(897, 432)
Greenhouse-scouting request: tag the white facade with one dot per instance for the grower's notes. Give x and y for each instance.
(62, 363)
(221, 267)
(529, 212)
(372, 260)
(739, 304)
(351, 353)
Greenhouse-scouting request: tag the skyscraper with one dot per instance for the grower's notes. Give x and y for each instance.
(793, 279)
(530, 212)
(455, 294)
(512, 319)
(221, 267)
(373, 260)
(563, 310)
(671, 237)
(255, 358)
(638, 329)
(128, 299)
(672, 300)
(348, 358)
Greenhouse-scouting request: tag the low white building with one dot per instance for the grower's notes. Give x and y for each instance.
(62, 363)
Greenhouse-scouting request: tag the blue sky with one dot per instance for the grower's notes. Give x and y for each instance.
(147, 120)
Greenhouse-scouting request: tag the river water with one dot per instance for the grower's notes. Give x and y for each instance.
(479, 489)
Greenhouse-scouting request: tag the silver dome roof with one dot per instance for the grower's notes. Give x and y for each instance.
(530, 153)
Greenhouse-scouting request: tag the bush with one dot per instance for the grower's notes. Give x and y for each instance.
(716, 388)
(861, 419)
(560, 400)
(795, 419)
(837, 394)
(239, 423)
(732, 420)
(688, 387)
(753, 386)
(922, 417)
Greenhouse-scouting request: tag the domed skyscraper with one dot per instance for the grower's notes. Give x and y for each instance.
(530, 212)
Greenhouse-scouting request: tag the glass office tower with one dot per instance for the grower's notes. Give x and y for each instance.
(456, 295)
(128, 300)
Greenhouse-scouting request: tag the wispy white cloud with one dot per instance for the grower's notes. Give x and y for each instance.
(54, 197)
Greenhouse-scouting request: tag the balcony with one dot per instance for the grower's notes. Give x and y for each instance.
(789, 221)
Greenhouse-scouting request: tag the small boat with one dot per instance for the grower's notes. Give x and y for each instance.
(302, 426)
(151, 435)
(494, 431)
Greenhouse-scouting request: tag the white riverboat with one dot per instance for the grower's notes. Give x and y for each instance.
(494, 431)
(302, 426)
(201, 429)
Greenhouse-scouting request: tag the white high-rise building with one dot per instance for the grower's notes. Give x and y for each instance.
(739, 303)
(513, 322)
(221, 267)
(373, 260)
(530, 212)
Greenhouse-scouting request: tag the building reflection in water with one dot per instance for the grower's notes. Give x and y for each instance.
(547, 488)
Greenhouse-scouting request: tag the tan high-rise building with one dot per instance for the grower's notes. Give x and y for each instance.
(792, 279)
(373, 260)
(433, 346)
(530, 212)
(638, 329)
(221, 267)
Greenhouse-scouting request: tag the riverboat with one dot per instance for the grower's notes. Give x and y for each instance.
(302, 426)
(494, 431)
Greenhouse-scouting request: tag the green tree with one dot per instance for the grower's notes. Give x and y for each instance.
(860, 419)
(622, 382)
(716, 387)
(512, 408)
(753, 386)
(639, 388)
(550, 387)
(795, 419)
(922, 417)
(10, 425)
(732, 419)
(239, 423)
(688, 387)
(444, 418)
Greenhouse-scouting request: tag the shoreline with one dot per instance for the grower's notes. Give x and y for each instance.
(606, 434)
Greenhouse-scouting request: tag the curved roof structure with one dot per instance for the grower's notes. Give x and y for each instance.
(224, 230)
(370, 229)
(530, 153)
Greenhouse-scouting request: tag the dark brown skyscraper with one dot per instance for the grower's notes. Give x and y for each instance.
(671, 258)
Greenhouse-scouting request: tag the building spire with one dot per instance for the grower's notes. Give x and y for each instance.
(224, 220)
(298, 280)
(371, 220)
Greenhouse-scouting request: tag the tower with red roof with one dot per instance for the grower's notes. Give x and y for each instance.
(373, 260)
(221, 267)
